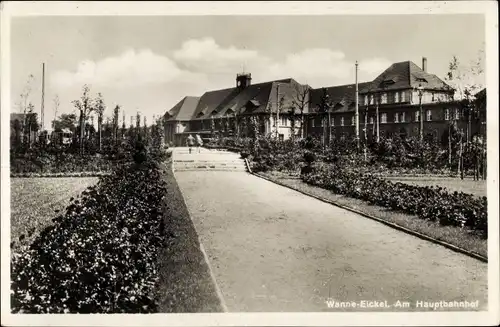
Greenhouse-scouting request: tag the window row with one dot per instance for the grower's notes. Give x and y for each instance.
(399, 117)
(396, 97)
(401, 96)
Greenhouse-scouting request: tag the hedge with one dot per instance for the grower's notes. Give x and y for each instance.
(432, 203)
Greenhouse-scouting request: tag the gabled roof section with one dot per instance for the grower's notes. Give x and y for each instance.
(183, 110)
(210, 101)
(405, 75)
(340, 97)
(290, 94)
(481, 99)
(251, 99)
(255, 98)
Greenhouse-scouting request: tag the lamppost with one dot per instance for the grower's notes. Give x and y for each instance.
(277, 110)
(420, 91)
(377, 116)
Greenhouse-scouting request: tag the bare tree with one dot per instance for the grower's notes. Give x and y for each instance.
(116, 113)
(56, 109)
(467, 80)
(325, 106)
(301, 100)
(85, 106)
(31, 121)
(25, 94)
(99, 108)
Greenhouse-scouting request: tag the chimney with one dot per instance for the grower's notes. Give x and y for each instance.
(424, 64)
(243, 80)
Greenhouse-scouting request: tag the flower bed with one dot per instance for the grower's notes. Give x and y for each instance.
(431, 203)
(100, 256)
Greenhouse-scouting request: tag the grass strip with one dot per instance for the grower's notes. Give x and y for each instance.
(185, 284)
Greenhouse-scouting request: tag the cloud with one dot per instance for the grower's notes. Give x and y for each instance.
(315, 66)
(205, 55)
(204, 63)
(159, 81)
(129, 69)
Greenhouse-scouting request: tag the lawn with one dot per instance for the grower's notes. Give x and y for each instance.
(183, 278)
(34, 201)
(462, 238)
(467, 185)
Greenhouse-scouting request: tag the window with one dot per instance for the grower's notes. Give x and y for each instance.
(429, 115)
(383, 98)
(332, 121)
(383, 118)
(284, 121)
(353, 120)
(402, 117)
(372, 120)
(396, 97)
(312, 122)
(457, 114)
(403, 96)
(372, 97)
(341, 121)
(396, 117)
(446, 114)
(433, 97)
(417, 115)
(366, 100)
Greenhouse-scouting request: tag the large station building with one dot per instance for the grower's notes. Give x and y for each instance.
(399, 95)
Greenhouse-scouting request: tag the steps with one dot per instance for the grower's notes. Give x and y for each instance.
(207, 160)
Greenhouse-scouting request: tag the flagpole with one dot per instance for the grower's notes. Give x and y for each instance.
(42, 118)
(357, 107)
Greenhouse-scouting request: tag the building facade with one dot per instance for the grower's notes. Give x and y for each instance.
(235, 111)
(394, 103)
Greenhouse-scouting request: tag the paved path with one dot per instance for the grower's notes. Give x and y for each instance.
(274, 249)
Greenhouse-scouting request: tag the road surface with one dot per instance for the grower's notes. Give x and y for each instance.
(273, 249)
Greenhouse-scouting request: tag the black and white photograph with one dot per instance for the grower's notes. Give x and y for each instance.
(249, 163)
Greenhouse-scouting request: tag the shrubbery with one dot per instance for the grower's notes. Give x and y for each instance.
(100, 256)
(268, 153)
(431, 203)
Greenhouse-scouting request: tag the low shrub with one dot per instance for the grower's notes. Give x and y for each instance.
(100, 256)
(432, 203)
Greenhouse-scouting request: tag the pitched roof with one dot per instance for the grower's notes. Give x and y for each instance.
(258, 93)
(481, 99)
(17, 116)
(342, 97)
(481, 94)
(255, 98)
(405, 75)
(184, 109)
(290, 93)
(209, 102)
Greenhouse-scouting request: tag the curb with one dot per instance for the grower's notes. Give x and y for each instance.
(248, 166)
(205, 257)
(390, 224)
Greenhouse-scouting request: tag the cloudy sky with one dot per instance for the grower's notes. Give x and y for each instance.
(150, 63)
